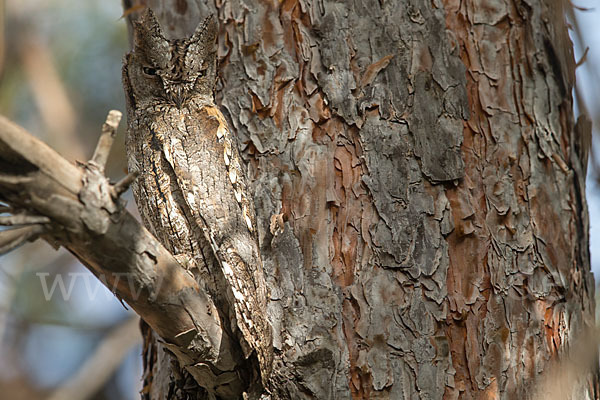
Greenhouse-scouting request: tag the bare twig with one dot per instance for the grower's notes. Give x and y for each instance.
(583, 57)
(23, 219)
(121, 187)
(109, 129)
(10, 239)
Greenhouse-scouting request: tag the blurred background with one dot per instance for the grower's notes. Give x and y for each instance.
(62, 334)
(585, 33)
(60, 74)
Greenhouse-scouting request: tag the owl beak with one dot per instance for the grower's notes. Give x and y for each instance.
(178, 96)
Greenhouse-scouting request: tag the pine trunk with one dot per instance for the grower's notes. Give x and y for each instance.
(418, 177)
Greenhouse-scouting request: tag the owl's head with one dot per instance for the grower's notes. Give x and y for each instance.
(171, 71)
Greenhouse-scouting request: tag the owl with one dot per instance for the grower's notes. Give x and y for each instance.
(191, 190)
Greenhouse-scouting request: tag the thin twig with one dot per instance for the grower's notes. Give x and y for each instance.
(50, 92)
(107, 138)
(10, 239)
(12, 179)
(583, 57)
(23, 219)
(122, 186)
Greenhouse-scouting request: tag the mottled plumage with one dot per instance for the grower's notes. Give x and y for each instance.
(192, 190)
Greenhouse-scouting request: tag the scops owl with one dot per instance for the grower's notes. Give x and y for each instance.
(192, 191)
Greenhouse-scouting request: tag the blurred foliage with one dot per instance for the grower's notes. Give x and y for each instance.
(60, 66)
(86, 42)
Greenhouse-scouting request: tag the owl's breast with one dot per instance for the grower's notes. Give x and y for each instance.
(156, 190)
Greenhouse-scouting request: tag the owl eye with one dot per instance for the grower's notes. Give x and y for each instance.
(149, 71)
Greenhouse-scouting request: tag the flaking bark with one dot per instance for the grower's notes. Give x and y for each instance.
(419, 190)
(419, 185)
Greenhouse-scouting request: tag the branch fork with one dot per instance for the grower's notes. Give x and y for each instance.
(76, 207)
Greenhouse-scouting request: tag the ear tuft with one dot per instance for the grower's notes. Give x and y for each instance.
(206, 32)
(147, 29)
(148, 39)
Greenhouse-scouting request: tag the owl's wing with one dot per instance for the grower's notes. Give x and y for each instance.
(206, 162)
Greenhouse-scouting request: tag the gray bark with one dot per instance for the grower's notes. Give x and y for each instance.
(418, 181)
(406, 264)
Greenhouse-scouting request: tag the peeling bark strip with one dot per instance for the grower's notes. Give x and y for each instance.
(343, 121)
(524, 245)
(419, 200)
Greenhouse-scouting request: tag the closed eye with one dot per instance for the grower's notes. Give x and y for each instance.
(149, 71)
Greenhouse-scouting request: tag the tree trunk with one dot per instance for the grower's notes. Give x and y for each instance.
(418, 178)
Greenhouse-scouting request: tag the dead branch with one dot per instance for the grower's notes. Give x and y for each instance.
(76, 207)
